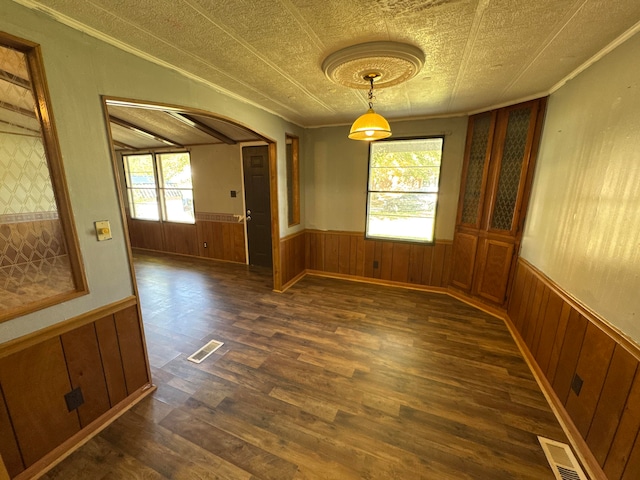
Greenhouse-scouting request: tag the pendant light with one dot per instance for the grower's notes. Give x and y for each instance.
(386, 63)
(370, 126)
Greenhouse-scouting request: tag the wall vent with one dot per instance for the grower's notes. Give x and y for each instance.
(563, 462)
(205, 351)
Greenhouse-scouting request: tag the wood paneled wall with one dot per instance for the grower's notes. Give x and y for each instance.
(292, 256)
(593, 370)
(349, 253)
(224, 240)
(104, 358)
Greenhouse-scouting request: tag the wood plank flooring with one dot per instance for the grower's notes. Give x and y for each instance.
(330, 380)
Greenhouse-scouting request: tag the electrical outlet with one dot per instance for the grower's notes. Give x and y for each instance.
(375, 264)
(576, 385)
(233, 194)
(205, 244)
(74, 399)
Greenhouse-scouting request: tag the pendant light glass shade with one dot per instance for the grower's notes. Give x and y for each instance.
(369, 127)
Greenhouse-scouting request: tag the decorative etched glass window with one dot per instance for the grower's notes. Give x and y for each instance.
(159, 186)
(402, 193)
(40, 262)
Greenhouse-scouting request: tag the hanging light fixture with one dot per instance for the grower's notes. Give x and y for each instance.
(370, 126)
(358, 66)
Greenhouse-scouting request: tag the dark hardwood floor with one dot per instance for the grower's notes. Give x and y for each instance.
(330, 380)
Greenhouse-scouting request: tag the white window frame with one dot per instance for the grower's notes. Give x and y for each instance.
(158, 186)
(373, 229)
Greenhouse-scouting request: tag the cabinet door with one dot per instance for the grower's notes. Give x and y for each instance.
(515, 129)
(475, 169)
(492, 269)
(464, 259)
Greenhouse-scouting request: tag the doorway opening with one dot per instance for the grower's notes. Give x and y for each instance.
(232, 203)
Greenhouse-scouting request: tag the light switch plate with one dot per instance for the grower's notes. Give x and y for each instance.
(103, 230)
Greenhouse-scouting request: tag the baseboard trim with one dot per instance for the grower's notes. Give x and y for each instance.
(377, 281)
(581, 448)
(184, 255)
(62, 451)
(292, 282)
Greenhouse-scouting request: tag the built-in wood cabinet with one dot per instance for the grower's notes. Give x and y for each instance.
(496, 179)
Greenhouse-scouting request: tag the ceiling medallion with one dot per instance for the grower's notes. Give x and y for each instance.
(394, 63)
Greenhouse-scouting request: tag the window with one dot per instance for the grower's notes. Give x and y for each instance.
(402, 190)
(159, 186)
(40, 260)
(293, 180)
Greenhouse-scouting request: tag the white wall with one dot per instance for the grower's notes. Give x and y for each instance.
(79, 70)
(583, 225)
(335, 177)
(216, 170)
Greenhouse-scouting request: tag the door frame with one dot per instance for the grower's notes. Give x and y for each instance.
(273, 195)
(273, 178)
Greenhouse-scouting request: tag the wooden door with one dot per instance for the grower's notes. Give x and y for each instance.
(255, 162)
(510, 158)
(470, 202)
(493, 265)
(465, 245)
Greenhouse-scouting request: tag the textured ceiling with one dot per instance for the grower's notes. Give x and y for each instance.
(479, 53)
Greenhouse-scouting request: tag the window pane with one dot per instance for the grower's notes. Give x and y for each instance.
(175, 170)
(175, 179)
(293, 180)
(409, 216)
(420, 152)
(179, 205)
(141, 186)
(144, 203)
(139, 171)
(398, 179)
(402, 189)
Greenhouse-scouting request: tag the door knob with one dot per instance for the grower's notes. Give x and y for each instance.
(248, 212)
(248, 218)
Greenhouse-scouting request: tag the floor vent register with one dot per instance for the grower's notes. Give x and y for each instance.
(563, 462)
(205, 351)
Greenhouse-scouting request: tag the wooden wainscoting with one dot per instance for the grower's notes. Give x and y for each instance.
(100, 354)
(225, 240)
(222, 234)
(350, 254)
(292, 257)
(591, 368)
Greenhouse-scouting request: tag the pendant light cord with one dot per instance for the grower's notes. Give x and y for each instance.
(371, 93)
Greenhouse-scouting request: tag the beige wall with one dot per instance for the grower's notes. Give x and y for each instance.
(583, 225)
(335, 174)
(216, 170)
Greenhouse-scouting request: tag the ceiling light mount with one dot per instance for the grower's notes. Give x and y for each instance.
(359, 66)
(393, 62)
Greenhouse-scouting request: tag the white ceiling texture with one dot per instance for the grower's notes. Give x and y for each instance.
(479, 53)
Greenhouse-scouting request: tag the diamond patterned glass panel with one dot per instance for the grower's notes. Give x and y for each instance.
(473, 183)
(34, 263)
(511, 168)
